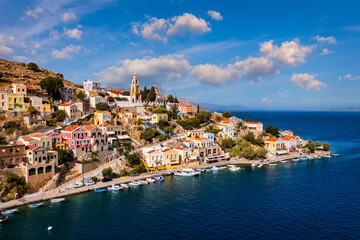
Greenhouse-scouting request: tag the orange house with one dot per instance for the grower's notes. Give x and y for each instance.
(189, 110)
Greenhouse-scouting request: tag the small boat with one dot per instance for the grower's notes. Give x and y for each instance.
(168, 173)
(208, 170)
(3, 218)
(159, 178)
(283, 161)
(302, 158)
(214, 168)
(125, 185)
(12, 211)
(335, 154)
(310, 157)
(36, 205)
(187, 172)
(100, 190)
(49, 228)
(234, 169)
(143, 182)
(57, 200)
(150, 180)
(295, 160)
(272, 164)
(253, 165)
(114, 188)
(260, 165)
(134, 184)
(200, 170)
(325, 156)
(231, 166)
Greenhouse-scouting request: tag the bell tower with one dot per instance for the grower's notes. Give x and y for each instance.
(135, 96)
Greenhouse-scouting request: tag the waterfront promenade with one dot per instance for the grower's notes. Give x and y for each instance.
(61, 192)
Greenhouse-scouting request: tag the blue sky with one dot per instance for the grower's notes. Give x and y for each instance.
(259, 54)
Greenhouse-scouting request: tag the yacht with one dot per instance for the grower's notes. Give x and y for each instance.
(234, 169)
(57, 200)
(134, 184)
(187, 172)
(143, 182)
(114, 188)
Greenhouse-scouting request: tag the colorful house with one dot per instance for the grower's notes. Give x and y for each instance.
(202, 142)
(154, 157)
(156, 117)
(76, 137)
(256, 127)
(171, 157)
(19, 88)
(192, 134)
(16, 102)
(189, 110)
(286, 133)
(3, 99)
(102, 117)
(226, 129)
(71, 110)
(276, 145)
(184, 154)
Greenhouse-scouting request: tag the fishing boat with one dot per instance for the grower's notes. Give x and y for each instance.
(302, 158)
(57, 200)
(3, 218)
(36, 205)
(12, 211)
(159, 178)
(150, 180)
(143, 182)
(187, 172)
(207, 170)
(234, 169)
(310, 157)
(125, 185)
(272, 164)
(100, 190)
(253, 165)
(134, 184)
(114, 188)
(260, 165)
(231, 166)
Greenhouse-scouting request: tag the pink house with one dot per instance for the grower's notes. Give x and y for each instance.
(76, 137)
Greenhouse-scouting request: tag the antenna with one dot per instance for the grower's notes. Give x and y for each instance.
(245, 116)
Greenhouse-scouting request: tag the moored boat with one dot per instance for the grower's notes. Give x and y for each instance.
(253, 165)
(143, 182)
(234, 169)
(134, 184)
(3, 218)
(12, 211)
(57, 200)
(295, 159)
(159, 178)
(187, 172)
(283, 161)
(214, 168)
(168, 173)
(260, 165)
(272, 164)
(125, 185)
(36, 205)
(114, 188)
(335, 154)
(325, 156)
(150, 180)
(100, 190)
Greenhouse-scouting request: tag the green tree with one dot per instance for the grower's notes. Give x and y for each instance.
(52, 86)
(170, 99)
(176, 100)
(273, 131)
(64, 155)
(126, 93)
(318, 144)
(133, 159)
(269, 128)
(149, 134)
(259, 141)
(144, 93)
(81, 95)
(168, 129)
(203, 116)
(198, 109)
(249, 153)
(250, 137)
(107, 173)
(236, 152)
(326, 146)
(152, 95)
(163, 123)
(102, 106)
(228, 143)
(11, 127)
(173, 112)
(32, 111)
(60, 115)
(226, 114)
(160, 109)
(310, 145)
(139, 121)
(32, 66)
(260, 153)
(140, 168)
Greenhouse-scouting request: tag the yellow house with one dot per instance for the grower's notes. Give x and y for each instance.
(16, 101)
(19, 88)
(192, 134)
(102, 117)
(156, 117)
(46, 107)
(171, 157)
(36, 102)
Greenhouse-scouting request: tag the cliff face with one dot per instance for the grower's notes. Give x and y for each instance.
(14, 72)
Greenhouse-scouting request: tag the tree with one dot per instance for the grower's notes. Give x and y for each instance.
(64, 155)
(152, 95)
(198, 109)
(248, 153)
(133, 159)
(139, 121)
(326, 146)
(107, 173)
(273, 131)
(60, 115)
(144, 93)
(226, 114)
(318, 144)
(149, 134)
(203, 116)
(160, 109)
(102, 106)
(126, 93)
(176, 100)
(260, 153)
(11, 127)
(259, 141)
(310, 145)
(32, 111)
(163, 123)
(173, 112)
(269, 128)
(52, 86)
(236, 152)
(168, 129)
(170, 99)
(228, 143)
(250, 137)
(32, 66)
(81, 95)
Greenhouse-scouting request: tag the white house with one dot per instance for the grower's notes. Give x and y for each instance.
(96, 99)
(256, 127)
(93, 86)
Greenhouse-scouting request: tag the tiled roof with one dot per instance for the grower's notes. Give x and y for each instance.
(31, 88)
(200, 139)
(70, 128)
(27, 138)
(180, 148)
(166, 149)
(37, 135)
(151, 151)
(252, 123)
(31, 147)
(90, 128)
(271, 139)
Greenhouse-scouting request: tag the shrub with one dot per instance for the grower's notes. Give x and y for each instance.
(95, 179)
(228, 143)
(226, 114)
(107, 173)
(249, 153)
(32, 66)
(60, 115)
(259, 141)
(318, 144)
(326, 146)
(102, 106)
(81, 95)
(260, 153)
(203, 116)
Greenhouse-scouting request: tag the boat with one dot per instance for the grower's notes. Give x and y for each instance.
(295, 159)
(310, 157)
(253, 165)
(335, 154)
(260, 165)
(231, 166)
(134, 184)
(208, 170)
(200, 170)
(325, 156)
(272, 164)
(234, 169)
(302, 158)
(159, 178)
(3, 218)
(150, 180)
(100, 190)
(56, 200)
(214, 168)
(36, 205)
(168, 173)
(49, 228)
(12, 211)
(114, 188)
(187, 172)
(143, 182)
(283, 161)
(125, 185)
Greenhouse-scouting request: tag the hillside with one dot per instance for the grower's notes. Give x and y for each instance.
(14, 72)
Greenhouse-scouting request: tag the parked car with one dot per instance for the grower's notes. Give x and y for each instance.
(106, 179)
(78, 184)
(134, 174)
(89, 183)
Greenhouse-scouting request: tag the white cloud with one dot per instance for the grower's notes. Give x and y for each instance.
(212, 74)
(151, 29)
(282, 95)
(156, 69)
(289, 53)
(266, 100)
(6, 51)
(21, 58)
(307, 81)
(54, 34)
(33, 13)
(351, 77)
(188, 23)
(257, 67)
(325, 51)
(330, 39)
(68, 16)
(215, 15)
(66, 52)
(73, 33)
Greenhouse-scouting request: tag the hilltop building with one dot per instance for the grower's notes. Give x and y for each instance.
(135, 96)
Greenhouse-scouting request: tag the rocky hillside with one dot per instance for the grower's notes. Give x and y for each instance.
(14, 72)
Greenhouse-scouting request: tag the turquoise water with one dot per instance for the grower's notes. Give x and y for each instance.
(317, 199)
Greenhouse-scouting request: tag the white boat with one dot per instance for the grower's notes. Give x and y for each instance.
(234, 169)
(283, 161)
(260, 165)
(125, 185)
(214, 168)
(143, 182)
(335, 154)
(253, 165)
(114, 188)
(49, 228)
(295, 160)
(231, 166)
(325, 156)
(187, 172)
(200, 170)
(7, 212)
(3, 218)
(272, 164)
(57, 200)
(150, 180)
(134, 184)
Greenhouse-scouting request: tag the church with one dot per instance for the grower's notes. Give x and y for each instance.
(135, 96)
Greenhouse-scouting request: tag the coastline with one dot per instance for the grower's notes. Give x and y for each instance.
(44, 196)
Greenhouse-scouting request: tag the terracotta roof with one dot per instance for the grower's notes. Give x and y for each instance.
(37, 135)
(180, 148)
(166, 149)
(271, 139)
(80, 129)
(66, 104)
(70, 128)
(161, 114)
(151, 151)
(31, 147)
(287, 131)
(200, 139)
(31, 88)
(187, 141)
(252, 122)
(90, 128)
(115, 92)
(27, 138)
